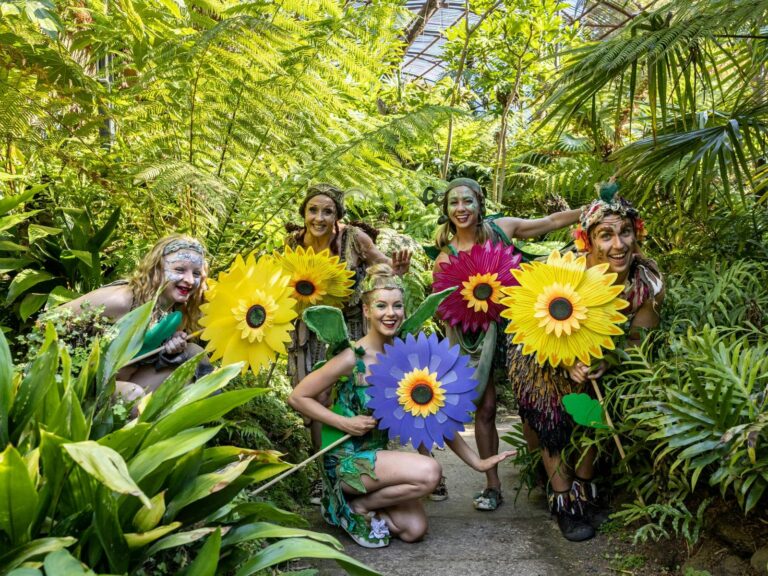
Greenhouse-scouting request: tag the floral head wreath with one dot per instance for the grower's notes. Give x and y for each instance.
(381, 282)
(607, 203)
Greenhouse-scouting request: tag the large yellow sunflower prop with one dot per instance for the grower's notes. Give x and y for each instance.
(563, 310)
(316, 278)
(248, 314)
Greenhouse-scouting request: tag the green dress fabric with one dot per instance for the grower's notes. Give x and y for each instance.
(348, 462)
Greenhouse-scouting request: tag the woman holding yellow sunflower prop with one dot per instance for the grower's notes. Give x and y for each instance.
(327, 260)
(566, 312)
(463, 226)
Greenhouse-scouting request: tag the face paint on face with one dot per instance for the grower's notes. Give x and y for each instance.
(463, 208)
(320, 216)
(386, 311)
(613, 242)
(183, 271)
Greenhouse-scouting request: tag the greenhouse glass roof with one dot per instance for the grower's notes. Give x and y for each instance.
(425, 34)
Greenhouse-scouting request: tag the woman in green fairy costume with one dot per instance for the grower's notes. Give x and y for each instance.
(371, 492)
(464, 224)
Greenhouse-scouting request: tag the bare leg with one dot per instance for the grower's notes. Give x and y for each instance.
(486, 435)
(557, 471)
(586, 467)
(407, 521)
(531, 438)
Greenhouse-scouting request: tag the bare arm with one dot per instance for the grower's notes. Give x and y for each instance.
(521, 228)
(303, 397)
(646, 318)
(400, 261)
(470, 457)
(117, 301)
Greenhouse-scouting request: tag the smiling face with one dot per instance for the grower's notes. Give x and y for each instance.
(463, 207)
(320, 216)
(385, 310)
(183, 271)
(613, 242)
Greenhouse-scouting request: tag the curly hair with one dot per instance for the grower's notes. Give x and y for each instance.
(149, 278)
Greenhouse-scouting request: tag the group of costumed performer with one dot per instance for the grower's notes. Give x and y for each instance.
(322, 210)
(609, 233)
(371, 492)
(466, 228)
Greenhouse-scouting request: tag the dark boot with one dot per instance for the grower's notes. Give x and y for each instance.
(584, 492)
(573, 525)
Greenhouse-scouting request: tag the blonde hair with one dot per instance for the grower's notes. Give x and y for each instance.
(378, 277)
(149, 278)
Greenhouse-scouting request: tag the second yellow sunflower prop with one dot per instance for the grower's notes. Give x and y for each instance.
(316, 278)
(563, 310)
(248, 314)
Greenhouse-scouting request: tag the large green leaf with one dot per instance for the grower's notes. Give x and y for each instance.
(293, 548)
(35, 385)
(107, 466)
(6, 389)
(205, 485)
(17, 556)
(10, 202)
(204, 387)
(169, 389)
(207, 559)
(18, 497)
(7, 222)
(180, 539)
(200, 412)
(263, 530)
(35, 232)
(102, 236)
(63, 563)
(124, 346)
(150, 458)
(12, 264)
(25, 280)
(109, 532)
(255, 511)
(30, 304)
(424, 312)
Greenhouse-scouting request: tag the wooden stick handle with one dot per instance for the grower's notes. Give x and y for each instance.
(616, 438)
(300, 465)
(158, 349)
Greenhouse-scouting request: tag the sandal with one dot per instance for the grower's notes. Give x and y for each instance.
(489, 499)
(377, 533)
(440, 492)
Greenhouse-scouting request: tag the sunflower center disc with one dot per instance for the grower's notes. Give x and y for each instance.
(560, 308)
(422, 394)
(305, 287)
(255, 316)
(482, 292)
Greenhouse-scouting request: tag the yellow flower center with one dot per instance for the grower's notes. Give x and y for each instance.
(420, 393)
(479, 289)
(560, 309)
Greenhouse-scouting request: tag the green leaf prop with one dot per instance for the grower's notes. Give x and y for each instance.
(328, 323)
(160, 332)
(424, 312)
(585, 410)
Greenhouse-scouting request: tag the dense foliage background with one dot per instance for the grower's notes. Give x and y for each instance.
(123, 121)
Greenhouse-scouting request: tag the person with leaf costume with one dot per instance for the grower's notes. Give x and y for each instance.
(371, 492)
(174, 271)
(323, 233)
(608, 236)
(464, 230)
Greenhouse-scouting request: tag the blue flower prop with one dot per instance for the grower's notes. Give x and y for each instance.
(422, 390)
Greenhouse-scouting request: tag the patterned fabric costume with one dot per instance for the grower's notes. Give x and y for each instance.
(305, 350)
(348, 462)
(539, 389)
(487, 350)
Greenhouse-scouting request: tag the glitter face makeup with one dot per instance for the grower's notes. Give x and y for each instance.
(183, 269)
(463, 207)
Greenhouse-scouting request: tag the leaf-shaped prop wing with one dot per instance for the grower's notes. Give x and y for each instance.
(160, 332)
(328, 324)
(585, 410)
(424, 312)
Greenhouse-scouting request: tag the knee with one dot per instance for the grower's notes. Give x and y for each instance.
(486, 412)
(430, 473)
(414, 530)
